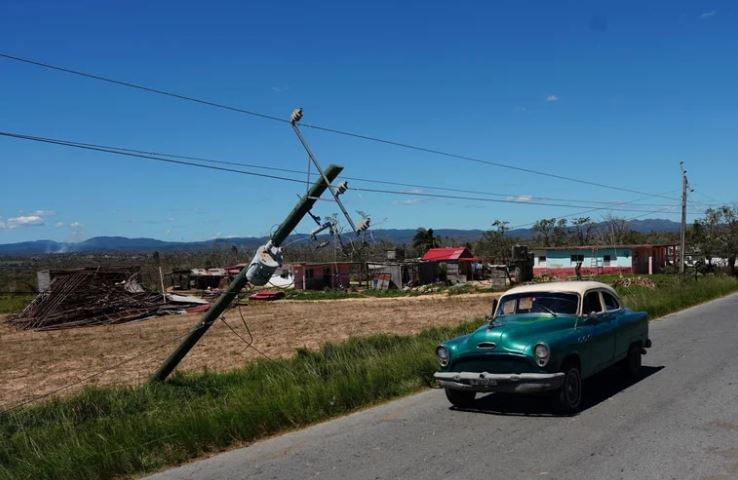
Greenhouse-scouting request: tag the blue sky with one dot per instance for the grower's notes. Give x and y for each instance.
(612, 92)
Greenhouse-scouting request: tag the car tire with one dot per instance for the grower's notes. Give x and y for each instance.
(460, 398)
(568, 398)
(633, 361)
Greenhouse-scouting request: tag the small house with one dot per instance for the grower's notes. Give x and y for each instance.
(197, 278)
(317, 276)
(602, 259)
(455, 264)
(385, 275)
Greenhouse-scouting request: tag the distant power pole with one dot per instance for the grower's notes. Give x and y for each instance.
(683, 245)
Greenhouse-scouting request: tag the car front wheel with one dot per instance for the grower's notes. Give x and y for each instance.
(569, 397)
(460, 398)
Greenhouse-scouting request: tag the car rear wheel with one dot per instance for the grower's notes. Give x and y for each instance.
(460, 398)
(569, 397)
(632, 362)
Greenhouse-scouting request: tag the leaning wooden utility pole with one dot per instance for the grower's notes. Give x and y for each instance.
(683, 242)
(266, 260)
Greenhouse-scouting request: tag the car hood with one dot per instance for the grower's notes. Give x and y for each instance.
(514, 333)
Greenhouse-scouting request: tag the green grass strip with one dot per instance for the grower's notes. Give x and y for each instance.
(12, 303)
(121, 431)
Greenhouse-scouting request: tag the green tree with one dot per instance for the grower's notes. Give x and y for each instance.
(550, 232)
(543, 231)
(730, 217)
(615, 231)
(582, 230)
(708, 235)
(424, 240)
(496, 242)
(716, 234)
(560, 231)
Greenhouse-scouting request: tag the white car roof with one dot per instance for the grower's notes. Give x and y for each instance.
(579, 287)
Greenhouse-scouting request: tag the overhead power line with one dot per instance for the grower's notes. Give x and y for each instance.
(590, 210)
(481, 199)
(130, 153)
(646, 214)
(712, 201)
(404, 145)
(357, 179)
(83, 146)
(141, 87)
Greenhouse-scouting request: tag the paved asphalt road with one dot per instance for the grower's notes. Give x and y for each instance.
(680, 421)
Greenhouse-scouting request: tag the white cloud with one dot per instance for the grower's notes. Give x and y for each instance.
(24, 221)
(59, 224)
(521, 198)
(75, 225)
(410, 201)
(709, 14)
(43, 213)
(552, 98)
(34, 218)
(521, 108)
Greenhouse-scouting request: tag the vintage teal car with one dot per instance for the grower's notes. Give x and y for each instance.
(544, 338)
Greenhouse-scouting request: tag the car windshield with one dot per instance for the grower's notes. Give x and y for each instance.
(555, 303)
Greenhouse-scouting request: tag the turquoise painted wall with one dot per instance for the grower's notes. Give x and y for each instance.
(619, 257)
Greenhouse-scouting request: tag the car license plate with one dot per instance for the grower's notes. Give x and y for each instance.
(483, 382)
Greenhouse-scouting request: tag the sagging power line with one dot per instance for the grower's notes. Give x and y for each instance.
(146, 156)
(590, 210)
(360, 136)
(354, 179)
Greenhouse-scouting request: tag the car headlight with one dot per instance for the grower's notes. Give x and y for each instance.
(542, 354)
(442, 354)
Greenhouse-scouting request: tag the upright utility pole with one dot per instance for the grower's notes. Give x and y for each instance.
(683, 243)
(258, 271)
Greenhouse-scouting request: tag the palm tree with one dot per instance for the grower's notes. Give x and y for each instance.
(424, 240)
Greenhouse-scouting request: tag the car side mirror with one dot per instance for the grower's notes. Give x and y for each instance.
(591, 316)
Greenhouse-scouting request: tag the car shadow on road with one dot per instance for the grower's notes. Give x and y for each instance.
(596, 389)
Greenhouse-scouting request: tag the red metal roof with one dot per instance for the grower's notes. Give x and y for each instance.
(446, 254)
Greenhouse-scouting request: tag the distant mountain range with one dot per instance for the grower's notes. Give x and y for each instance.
(396, 236)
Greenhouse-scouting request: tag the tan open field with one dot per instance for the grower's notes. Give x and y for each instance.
(35, 363)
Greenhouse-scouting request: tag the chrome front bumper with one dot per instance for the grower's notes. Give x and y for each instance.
(500, 382)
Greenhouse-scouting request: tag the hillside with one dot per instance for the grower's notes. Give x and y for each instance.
(396, 236)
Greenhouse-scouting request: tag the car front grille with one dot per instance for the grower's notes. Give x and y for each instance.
(494, 363)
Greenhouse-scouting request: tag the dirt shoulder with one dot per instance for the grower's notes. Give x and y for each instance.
(35, 363)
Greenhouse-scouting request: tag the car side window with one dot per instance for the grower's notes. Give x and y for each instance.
(591, 303)
(611, 303)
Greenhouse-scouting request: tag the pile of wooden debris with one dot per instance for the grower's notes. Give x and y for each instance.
(92, 296)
